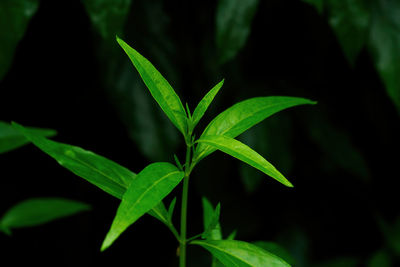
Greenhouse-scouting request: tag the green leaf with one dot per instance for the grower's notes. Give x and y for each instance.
(108, 17)
(204, 103)
(339, 149)
(160, 212)
(244, 153)
(276, 249)
(104, 173)
(11, 139)
(159, 88)
(276, 134)
(384, 44)
(350, 20)
(171, 209)
(380, 258)
(233, 25)
(150, 186)
(14, 19)
(37, 211)
(150, 129)
(244, 115)
(212, 229)
(240, 254)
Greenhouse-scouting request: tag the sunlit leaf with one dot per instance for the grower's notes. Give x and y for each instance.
(37, 211)
(239, 253)
(159, 88)
(244, 153)
(152, 132)
(276, 249)
(244, 115)
(233, 25)
(204, 103)
(150, 186)
(384, 43)
(14, 19)
(272, 139)
(108, 17)
(11, 139)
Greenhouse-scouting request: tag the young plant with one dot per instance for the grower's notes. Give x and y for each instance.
(144, 192)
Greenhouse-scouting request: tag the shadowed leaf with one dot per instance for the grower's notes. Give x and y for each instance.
(37, 211)
(14, 18)
(233, 25)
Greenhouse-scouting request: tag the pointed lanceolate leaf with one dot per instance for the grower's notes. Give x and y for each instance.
(11, 139)
(244, 153)
(102, 172)
(244, 115)
(204, 103)
(37, 211)
(150, 186)
(159, 88)
(240, 253)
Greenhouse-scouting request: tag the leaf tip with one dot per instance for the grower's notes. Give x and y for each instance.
(107, 242)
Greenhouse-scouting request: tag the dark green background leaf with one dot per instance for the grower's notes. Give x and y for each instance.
(11, 139)
(233, 25)
(37, 211)
(14, 18)
(108, 16)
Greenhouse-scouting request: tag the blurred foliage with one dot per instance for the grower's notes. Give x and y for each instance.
(14, 18)
(262, 48)
(374, 24)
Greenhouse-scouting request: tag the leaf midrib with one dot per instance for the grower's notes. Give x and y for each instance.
(98, 171)
(150, 187)
(225, 251)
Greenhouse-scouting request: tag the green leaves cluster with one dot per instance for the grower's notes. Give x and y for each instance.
(143, 193)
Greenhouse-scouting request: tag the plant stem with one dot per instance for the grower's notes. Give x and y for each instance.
(185, 191)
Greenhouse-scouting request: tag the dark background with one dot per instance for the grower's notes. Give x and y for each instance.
(57, 80)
